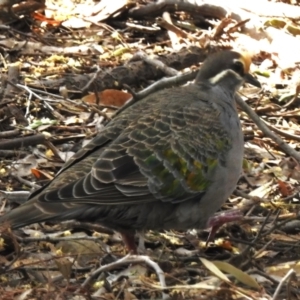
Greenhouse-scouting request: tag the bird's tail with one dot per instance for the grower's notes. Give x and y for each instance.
(32, 212)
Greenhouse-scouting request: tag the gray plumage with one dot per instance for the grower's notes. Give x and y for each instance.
(167, 162)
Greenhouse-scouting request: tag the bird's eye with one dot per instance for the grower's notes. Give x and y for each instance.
(238, 67)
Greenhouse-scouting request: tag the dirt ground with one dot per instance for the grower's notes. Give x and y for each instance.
(68, 66)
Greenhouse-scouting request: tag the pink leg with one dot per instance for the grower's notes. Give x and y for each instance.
(219, 219)
(128, 239)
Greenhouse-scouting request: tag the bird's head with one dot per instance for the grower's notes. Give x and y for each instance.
(227, 68)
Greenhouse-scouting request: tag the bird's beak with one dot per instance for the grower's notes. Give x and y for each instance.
(250, 79)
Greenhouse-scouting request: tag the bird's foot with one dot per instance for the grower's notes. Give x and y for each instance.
(128, 239)
(141, 247)
(219, 219)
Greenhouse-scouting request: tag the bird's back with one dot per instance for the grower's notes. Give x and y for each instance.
(149, 165)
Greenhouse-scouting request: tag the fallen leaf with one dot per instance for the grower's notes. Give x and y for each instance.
(214, 269)
(109, 97)
(41, 174)
(284, 188)
(237, 273)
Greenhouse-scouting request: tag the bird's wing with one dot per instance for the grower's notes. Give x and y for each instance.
(169, 153)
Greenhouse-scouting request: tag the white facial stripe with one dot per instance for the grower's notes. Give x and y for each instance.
(220, 76)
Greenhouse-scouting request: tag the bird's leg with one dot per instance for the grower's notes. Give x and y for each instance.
(128, 239)
(141, 246)
(219, 219)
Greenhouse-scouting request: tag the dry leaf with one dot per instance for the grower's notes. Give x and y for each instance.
(237, 273)
(109, 97)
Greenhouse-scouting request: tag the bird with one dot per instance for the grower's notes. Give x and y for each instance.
(168, 162)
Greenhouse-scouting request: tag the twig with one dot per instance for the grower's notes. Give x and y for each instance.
(9, 133)
(166, 23)
(16, 248)
(142, 28)
(48, 238)
(287, 278)
(156, 63)
(167, 82)
(27, 182)
(128, 259)
(47, 105)
(237, 26)
(263, 248)
(47, 268)
(219, 30)
(259, 272)
(294, 97)
(100, 112)
(60, 98)
(278, 225)
(283, 133)
(54, 150)
(18, 196)
(254, 241)
(92, 80)
(12, 153)
(264, 128)
(17, 143)
(159, 85)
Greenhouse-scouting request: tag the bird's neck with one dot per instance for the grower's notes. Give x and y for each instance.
(227, 79)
